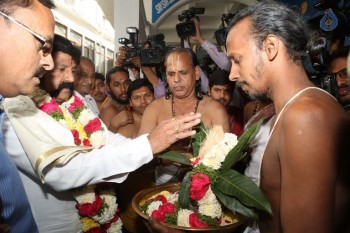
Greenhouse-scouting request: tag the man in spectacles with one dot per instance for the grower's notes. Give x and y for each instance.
(338, 68)
(27, 29)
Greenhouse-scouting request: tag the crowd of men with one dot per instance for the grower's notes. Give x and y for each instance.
(299, 157)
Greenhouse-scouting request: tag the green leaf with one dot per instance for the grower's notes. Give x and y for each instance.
(198, 138)
(176, 156)
(231, 182)
(233, 204)
(184, 192)
(237, 153)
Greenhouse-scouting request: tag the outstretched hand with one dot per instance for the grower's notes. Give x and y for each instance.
(169, 131)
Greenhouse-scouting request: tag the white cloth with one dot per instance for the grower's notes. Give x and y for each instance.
(53, 208)
(258, 148)
(90, 102)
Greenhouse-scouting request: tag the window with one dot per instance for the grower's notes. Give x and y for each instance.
(89, 47)
(76, 38)
(60, 29)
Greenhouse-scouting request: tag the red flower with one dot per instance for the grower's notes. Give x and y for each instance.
(196, 222)
(50, 107)
(199, 185)
(167, 208)
(115, 219)
(161, 198)
(159, 215)
(76, 104)
(195, 161)
(77, 140)
(93, 125)
(86, 142)
(94, 230)
(90, 209)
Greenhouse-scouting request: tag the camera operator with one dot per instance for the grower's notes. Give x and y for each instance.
(338, 67)
(215, 54)
(149, 72)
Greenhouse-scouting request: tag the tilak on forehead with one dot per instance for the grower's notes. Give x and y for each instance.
(175, 64)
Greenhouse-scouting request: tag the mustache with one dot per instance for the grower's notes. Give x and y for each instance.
(39, 72)
(62, 86)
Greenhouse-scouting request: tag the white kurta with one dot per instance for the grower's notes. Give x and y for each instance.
(53, 207)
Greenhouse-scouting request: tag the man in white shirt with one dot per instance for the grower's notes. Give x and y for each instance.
(83, 83)
(45, 151)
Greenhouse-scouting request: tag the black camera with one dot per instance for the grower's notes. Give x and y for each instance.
(154, 55)
(188, 28)
(315, 63)
(221, 34)
(134, 49)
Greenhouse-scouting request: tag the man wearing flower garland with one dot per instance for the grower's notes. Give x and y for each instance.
(304, 168)
(68, 147)
(27, 29)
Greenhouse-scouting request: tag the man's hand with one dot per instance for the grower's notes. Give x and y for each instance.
(198, 38)
(123, 118)
(169, 131)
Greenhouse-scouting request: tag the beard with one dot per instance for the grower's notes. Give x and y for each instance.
(69, 86)
(118, 100)
(258, 94)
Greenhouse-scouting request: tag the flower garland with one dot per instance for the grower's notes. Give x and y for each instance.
(96, 204)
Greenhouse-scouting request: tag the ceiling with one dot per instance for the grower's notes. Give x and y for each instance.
(210, 21)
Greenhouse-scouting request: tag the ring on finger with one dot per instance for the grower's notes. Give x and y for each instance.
(177, 136)
(177, 125)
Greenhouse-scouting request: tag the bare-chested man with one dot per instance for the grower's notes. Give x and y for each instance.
(302, 170)
(114, 112)
(141, 94)
(183, 74)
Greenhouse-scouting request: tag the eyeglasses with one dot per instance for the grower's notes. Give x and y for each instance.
(341, 73)
(46, 45)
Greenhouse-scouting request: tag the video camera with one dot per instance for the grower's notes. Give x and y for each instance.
(155, 54)
(221, 34)
(315, 64)
(152, 56)
(188, 28)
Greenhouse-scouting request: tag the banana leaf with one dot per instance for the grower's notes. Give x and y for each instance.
(233, 204)
(184, 192)
(176, 156)
(231, 182)
(237, 153)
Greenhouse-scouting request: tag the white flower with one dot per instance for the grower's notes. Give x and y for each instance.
(208, 198)
(152, 207)
(209, 205)
(172, 198)
(116, 227)
(110, 200)
(85, 194)
(217, 154)
(85, 116)
(183, 217)
(211, 210)
(98, 139)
